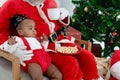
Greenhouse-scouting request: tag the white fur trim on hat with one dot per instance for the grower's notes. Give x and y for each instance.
(115, 70)
(116, 48)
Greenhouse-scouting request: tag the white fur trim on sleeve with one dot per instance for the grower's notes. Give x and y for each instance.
(66, 40)
(57, 43)
(62, 22)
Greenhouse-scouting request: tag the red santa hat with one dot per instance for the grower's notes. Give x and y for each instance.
(115, 64)
(115, 56)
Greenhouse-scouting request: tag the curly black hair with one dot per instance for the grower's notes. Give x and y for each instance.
(15, 20)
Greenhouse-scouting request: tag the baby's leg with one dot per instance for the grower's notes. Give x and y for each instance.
(35, 71)
(53, 72)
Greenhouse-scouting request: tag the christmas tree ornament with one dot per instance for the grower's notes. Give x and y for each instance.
(74, 10)
(114, 33)
(111, 42)
(73, 20)
(86, 9)
(100, 12)
(118, 17)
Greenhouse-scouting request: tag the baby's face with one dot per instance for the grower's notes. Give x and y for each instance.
(28, 28)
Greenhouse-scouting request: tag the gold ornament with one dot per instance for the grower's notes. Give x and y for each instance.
(73, 20)
(86, 9)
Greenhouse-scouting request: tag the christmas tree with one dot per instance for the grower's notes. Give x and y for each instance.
(99, 20)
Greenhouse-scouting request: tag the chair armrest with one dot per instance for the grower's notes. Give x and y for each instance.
(15, 64)
(86, 43)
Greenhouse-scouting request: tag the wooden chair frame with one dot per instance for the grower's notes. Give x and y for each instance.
(16, 61)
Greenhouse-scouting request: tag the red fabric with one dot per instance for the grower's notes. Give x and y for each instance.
(87, 64)
(85, 60)
(68, 65)
(73, 32)
(115, 57)
(71, 67)
(40, 57)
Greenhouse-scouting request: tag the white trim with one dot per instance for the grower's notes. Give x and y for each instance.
(2, 2)
(64, 22)
(42, 14)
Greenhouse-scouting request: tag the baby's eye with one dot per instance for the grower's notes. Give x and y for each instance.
(30, 28)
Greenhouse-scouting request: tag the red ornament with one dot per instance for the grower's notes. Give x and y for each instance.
(114, 33)
(111, 42)
(74, 10)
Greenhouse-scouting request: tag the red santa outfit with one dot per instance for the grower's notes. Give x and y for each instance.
(73, 67)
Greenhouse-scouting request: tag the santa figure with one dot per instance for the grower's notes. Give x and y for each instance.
(115, 64)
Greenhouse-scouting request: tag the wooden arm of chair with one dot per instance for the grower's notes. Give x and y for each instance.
(16, 61)
(84, 42)
(15, 64)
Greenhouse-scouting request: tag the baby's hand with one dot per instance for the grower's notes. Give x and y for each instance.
(12, 40)
(43, 37)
